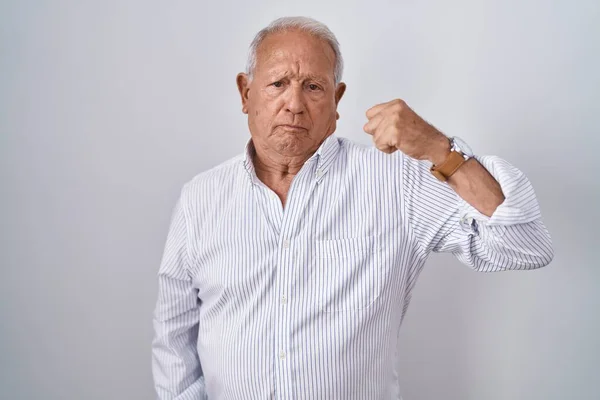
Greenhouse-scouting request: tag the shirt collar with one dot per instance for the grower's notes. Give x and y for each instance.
(324, 156)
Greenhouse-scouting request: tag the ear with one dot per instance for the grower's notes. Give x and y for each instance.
(243, 84)
(339, 92)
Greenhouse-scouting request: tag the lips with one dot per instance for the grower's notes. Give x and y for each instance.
(292, 127)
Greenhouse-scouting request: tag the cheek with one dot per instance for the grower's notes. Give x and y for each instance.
(262, 114)
(323, 112)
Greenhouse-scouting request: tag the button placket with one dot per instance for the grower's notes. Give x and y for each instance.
(298, 195)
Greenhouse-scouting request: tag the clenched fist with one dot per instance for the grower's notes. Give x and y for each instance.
(395, 126)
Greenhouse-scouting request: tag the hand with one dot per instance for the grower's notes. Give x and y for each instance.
(395, 126)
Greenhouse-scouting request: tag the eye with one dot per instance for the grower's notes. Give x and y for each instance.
(277, 84)
(312, 86)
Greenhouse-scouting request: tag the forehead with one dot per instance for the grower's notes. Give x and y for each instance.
(297, 50)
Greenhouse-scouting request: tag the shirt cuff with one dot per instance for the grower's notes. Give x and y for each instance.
(520, 204)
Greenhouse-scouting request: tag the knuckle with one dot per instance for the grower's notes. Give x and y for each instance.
(399, 103)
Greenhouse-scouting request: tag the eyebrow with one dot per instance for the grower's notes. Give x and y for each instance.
(279, 74)
(316, 78)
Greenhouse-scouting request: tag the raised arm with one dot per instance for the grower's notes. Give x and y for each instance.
(486, 212)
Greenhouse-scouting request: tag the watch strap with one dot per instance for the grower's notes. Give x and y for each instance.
(446, 169)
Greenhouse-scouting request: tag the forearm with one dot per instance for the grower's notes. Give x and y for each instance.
(472, 181)
(175, 363)
(474, 184)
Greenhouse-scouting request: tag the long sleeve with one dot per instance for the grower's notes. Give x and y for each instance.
(175, 364)
(513, 238)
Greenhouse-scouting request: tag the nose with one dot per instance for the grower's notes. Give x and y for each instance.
(295, 100)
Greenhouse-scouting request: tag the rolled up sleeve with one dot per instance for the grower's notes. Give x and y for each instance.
(512, 238)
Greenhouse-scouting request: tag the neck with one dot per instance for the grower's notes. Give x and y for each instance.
(276, 166)
(277, 171)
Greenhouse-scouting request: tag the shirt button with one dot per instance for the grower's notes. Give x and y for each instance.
(319, 173)
(286, 244)
(282, 355)
(283, 299)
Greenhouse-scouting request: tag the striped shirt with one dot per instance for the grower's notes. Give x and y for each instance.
(261, 301)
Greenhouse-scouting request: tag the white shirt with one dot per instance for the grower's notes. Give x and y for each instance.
(258, 301)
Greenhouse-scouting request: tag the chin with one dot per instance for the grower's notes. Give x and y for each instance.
(293, 144)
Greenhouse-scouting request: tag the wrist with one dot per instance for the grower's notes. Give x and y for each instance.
(440, 149)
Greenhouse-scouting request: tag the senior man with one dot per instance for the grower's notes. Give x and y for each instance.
(287, 270)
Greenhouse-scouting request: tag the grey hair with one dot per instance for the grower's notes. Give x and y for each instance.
(305, 24)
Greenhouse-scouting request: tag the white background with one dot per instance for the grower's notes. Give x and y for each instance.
(108, 107)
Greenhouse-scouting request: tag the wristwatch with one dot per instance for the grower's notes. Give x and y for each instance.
(460, 152)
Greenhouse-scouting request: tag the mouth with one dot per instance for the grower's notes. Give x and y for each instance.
(293, 128)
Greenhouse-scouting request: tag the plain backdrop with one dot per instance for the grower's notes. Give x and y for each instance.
(108, 107)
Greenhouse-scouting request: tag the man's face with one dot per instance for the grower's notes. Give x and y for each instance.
(292, 99)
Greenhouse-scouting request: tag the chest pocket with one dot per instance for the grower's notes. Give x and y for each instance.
(348, 273)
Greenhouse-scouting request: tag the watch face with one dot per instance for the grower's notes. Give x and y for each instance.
(462, 146)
